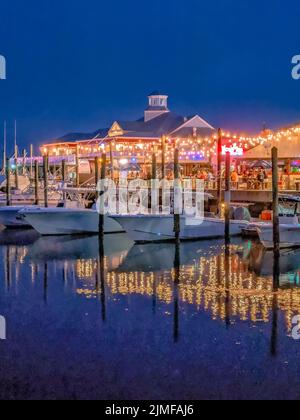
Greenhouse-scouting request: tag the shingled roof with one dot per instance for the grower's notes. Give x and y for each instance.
(167, 123)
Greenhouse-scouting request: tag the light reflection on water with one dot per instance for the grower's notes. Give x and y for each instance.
(145, 321)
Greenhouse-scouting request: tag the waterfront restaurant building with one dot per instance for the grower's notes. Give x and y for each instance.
(134, 142)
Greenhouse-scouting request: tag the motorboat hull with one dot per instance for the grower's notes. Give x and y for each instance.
(61, 221)
(152, 228)
(11, 219)
(289, 236)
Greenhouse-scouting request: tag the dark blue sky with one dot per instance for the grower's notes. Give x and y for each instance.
(79, 65)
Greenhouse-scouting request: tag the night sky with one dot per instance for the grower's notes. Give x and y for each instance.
(79, 65)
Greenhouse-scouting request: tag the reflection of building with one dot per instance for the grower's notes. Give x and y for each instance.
(204, 284)
(135, 141)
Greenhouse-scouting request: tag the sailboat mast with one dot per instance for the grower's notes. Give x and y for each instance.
(16, 145)
(4, 147)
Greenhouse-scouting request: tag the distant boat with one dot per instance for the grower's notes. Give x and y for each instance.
(159, 228)
(10, 217)
(289, 227)
(68, 221)
(289, 236)
(251, 231)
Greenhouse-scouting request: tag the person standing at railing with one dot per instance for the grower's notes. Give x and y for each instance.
(261, 178)
(234, 178)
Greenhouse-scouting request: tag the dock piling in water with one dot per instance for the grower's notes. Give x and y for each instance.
(64, 175)
(96, 171)
(154, 185)
(227, 199)
(219, 171)
(276, 230)
(101, 209)
(45, 168)
(77, 168)
(176, 198)
(163, 157)
(36, 183)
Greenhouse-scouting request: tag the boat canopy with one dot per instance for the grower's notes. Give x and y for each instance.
(290, 198)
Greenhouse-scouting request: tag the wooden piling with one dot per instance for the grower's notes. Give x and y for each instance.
(163, 157)
(36, 183)
(111, 156)
(45, 170)
(227, 198)
(276, 227)
(154, 186)
(63, 171)
(176, 192)
(64, 176)
(8, 184)
(219, 170)
(154, 166)
(101, 209)
(77, 167)
(96, 171)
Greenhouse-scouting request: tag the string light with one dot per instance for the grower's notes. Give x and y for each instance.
(190, 149)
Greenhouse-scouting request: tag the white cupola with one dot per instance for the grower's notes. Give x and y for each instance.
(158, 105)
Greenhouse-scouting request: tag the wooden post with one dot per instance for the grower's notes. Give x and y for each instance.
(227, 199)
(96, 171)
(8, 185)
(219, 170)
(289, 170)
(163, 157)
(154, 166)
(64, 176)
(36, 183)
(45, 168)
(101, 209)
(111, 156)
(154, 186)
(176, 192)
(276, 229)
(63, 171)
(77, 167)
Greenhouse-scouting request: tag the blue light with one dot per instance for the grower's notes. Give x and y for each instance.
(133, 160)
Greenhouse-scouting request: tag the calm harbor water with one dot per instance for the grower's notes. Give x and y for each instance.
(129, 322)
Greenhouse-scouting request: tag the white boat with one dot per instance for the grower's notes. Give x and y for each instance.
(10, 217)
(289, 226)
(251, 231)
(289, 236)
(158, 228)
(68, 221)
